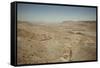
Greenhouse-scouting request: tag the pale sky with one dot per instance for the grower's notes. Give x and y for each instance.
(54, 13)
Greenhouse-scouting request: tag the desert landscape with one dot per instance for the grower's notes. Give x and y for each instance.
(55, 42)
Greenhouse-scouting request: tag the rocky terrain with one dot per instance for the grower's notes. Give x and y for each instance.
(49, 43)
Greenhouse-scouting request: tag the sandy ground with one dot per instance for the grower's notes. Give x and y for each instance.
(49, 43)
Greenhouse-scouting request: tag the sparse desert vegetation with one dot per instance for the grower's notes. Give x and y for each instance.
(49, 43)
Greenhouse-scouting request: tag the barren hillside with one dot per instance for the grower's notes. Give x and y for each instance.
(63, 42)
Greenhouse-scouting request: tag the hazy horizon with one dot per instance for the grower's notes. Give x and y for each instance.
(52, 13)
